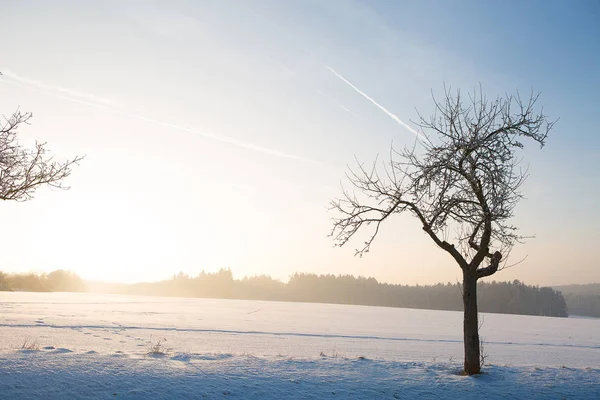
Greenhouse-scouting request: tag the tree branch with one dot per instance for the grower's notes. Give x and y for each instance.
(24, 170)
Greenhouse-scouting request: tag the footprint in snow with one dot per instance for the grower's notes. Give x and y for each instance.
(107, 338)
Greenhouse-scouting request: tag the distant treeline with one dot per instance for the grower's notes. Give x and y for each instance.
(56, 281)
(582, 299)
(496, 297)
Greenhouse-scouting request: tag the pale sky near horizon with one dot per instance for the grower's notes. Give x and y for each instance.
(216, 132)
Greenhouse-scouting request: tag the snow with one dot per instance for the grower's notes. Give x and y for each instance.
(96, 346)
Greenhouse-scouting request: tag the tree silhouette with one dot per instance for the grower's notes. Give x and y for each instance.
(25, 170)
(465, 178)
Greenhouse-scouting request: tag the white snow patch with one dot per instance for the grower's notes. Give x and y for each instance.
(53, 375)
(99, 346)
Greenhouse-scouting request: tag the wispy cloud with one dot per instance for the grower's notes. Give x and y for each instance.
(376, 104)
(92, 100)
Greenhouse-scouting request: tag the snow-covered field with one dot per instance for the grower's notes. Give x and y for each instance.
(96, 346)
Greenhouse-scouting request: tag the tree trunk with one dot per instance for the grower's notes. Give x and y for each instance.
(471, 324)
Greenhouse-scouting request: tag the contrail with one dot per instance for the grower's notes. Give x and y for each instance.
(62, 90)
(345, 109)
(98, 102)
(376, 104)
(333, 99)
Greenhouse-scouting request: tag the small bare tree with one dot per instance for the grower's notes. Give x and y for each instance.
(23, 170)
(464, 177)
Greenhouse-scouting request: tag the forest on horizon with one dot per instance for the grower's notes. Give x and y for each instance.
(494, 297)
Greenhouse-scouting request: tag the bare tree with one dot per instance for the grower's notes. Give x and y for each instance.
(463, 177)
(23, 170)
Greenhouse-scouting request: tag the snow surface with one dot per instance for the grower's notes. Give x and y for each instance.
(96, 346)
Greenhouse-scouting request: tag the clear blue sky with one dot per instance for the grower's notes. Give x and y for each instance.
(216, 132)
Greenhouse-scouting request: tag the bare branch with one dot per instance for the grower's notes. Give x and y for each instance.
(513, 264)
(492, 268)
(23, 170)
